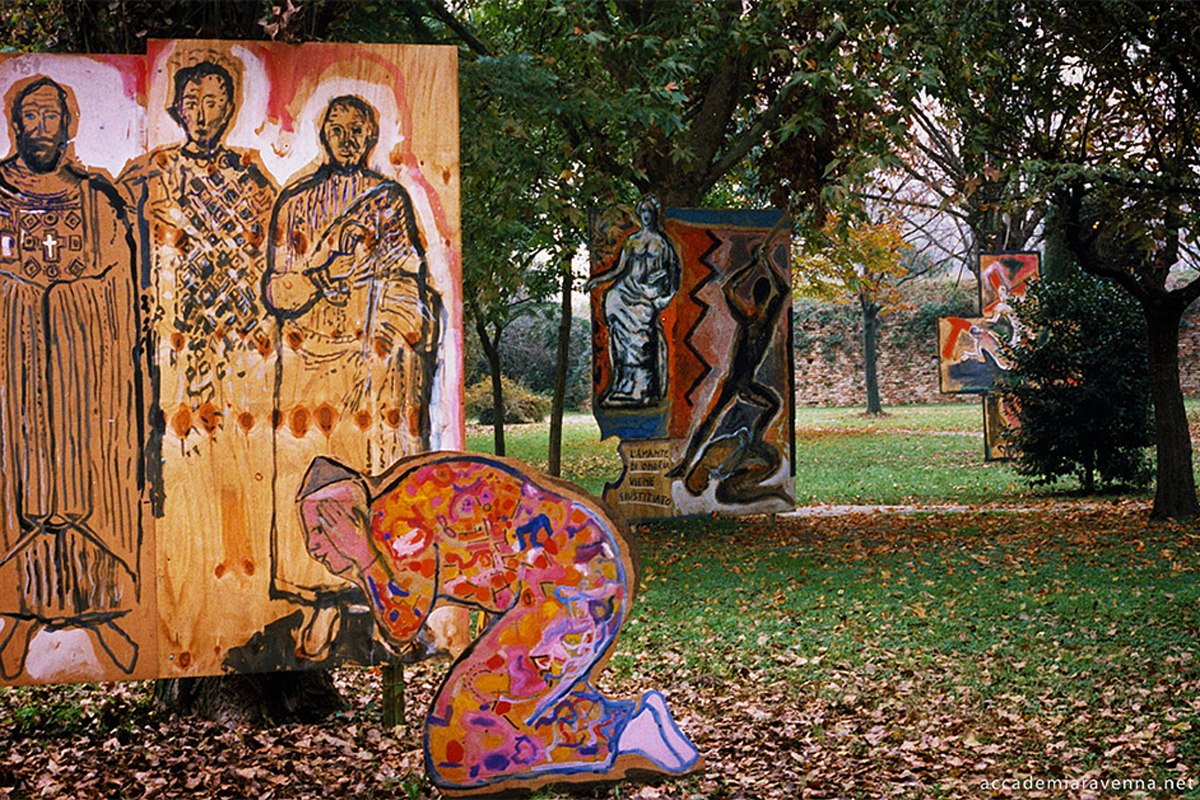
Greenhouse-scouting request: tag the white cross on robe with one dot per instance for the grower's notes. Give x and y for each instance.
(49, 244)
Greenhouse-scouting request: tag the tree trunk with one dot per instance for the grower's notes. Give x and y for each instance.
(268, 698)
(870, 323)
(491, 349)
(1175, 490)
(561, 368)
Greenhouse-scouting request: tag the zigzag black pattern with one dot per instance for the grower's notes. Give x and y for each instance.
(694, 296)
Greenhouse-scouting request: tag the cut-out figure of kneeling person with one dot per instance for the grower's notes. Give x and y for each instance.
(556, 575)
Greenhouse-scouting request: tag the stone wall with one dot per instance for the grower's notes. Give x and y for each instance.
(829, 364)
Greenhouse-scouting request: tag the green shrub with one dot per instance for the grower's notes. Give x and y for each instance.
(1081, 385)
(529, 354)
(520, 404)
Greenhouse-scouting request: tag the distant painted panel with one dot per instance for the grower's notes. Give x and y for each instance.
(1004, 276)
(1000, 426)
(970, 349)
(971, 359)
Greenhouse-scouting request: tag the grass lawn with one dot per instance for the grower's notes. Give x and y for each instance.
(859, 655)
(923, 454)
(925, 655)
(588, 461)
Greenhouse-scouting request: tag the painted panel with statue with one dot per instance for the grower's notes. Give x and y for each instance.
(691, 366)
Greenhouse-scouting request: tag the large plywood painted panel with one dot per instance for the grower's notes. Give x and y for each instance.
(266, 258)
(303, 243)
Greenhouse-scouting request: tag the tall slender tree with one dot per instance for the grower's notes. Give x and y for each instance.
(1122, 77)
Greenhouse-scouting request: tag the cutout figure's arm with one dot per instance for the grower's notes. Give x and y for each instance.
(781, 289)
(401, 600)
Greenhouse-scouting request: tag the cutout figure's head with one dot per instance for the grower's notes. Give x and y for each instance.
(41, 121)
(349, 131)
(203, 103)
(334, 510)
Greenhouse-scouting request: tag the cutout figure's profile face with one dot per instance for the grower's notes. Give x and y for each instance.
(324, 548)
(41, 127)
(348, 136)
(205, 109)
(336, 527)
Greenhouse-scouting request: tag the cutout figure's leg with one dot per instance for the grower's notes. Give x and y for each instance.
(517, 704)
(653, 734)
(519, 708)
(745, 484)
(762, 395)
(717, 460)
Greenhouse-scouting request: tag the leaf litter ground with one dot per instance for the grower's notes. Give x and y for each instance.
(969, 654)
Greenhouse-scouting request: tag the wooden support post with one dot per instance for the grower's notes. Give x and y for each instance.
(393, 695)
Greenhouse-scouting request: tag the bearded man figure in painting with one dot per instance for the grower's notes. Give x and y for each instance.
(71, 410)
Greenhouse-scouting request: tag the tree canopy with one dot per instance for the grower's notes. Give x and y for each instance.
(1011, 108)
(1091, 109)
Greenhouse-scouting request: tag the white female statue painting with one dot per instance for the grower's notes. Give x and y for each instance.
(644, 279)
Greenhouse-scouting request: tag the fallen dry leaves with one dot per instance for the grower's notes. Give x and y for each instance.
(889, 722)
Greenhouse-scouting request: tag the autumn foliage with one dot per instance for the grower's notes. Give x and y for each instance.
(857, 261)
(850, 261)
